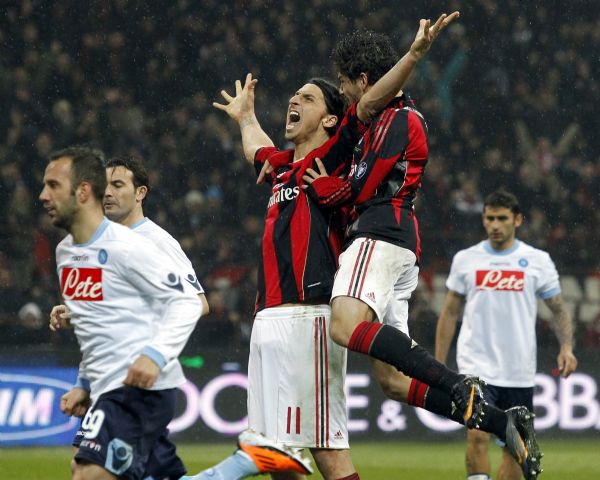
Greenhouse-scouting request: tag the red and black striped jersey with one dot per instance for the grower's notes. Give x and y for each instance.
(301, 240)
(384, 177)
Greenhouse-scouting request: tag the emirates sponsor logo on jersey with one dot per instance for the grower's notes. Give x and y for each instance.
(504, 280)
(284, 195)
(84, 284)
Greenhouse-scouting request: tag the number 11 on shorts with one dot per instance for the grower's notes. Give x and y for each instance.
(295, 421)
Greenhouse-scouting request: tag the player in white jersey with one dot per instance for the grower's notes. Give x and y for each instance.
(110, 278)
(497, 282)
(127, 188)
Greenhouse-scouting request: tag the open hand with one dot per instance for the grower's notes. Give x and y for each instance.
(241, 106)
(427, 34)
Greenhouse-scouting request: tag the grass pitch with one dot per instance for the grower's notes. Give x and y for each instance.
(564, 460)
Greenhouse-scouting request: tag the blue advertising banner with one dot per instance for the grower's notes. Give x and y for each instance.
(211, 405)
(30, 406)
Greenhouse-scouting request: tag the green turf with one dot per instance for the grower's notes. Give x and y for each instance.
(564, 460)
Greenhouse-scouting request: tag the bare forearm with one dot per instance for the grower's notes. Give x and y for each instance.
(443, 335)
(253, 137)
(524, 140)
(567, 139)
(563, 328)
(561, 321)
(386, 88)
(446, 325)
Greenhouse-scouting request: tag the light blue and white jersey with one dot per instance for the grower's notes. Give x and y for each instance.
(497, 339)
(111, 285)
(171, 247)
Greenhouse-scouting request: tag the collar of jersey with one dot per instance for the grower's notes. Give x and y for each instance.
(488, 248)
(99, 231)
(136, 225)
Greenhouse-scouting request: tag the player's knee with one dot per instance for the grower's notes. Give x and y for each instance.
(337, 333)
(346, 314)
(337, 328)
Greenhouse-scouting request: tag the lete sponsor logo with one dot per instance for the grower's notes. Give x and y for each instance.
(30, 409)
(83, 284)
(502, 280)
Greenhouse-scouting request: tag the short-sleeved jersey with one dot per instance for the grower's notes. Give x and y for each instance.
(170, 247)
(301, 241)
(111, 285)
(385, 176)
(497, 339)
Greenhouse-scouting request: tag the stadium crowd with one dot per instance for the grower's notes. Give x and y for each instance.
(510, 96)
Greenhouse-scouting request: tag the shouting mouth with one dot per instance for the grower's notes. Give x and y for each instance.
(293, 120)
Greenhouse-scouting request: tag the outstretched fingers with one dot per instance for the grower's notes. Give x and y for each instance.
(227, 97)
(219, 106)
(424, 25)
(321, 167)
(443, 22)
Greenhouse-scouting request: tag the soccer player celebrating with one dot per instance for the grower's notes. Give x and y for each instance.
(379, 267)
(497, 282)
(299, 253)
(108, 274)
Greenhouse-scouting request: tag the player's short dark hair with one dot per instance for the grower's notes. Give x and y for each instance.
(134, 165)
(87, 165)
(364, 51)
(334, 101)
(502, 199)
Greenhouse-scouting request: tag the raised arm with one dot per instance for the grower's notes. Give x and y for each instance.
(566, 140)
(524, 141)
(386, 88)
(241, 109)
(563, 329)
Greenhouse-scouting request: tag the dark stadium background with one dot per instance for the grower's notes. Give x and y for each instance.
(511, 95)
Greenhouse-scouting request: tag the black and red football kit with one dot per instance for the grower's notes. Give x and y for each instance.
(301, 240)
(384, 177)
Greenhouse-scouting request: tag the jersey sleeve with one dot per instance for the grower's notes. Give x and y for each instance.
(182, 264)
(276, 158)
(151, 272)
(82, 381)
(549, 282)
(456, 281)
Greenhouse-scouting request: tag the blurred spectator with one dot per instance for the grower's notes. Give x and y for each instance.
(467, 203)
(510, 101)
(31, 327)
(220, 326)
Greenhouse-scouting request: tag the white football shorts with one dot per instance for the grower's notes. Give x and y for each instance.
(380, 274)
(296, 378)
